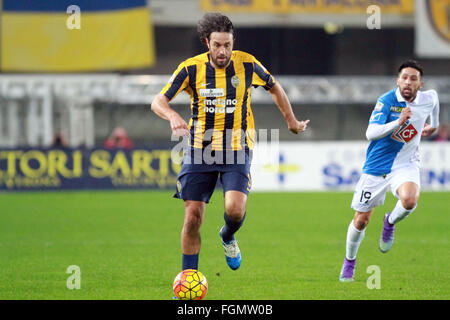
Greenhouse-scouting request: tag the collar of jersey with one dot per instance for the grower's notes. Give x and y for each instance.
(401, 99)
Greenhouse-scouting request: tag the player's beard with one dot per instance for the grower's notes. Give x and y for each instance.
(222, 63)
(409, 95)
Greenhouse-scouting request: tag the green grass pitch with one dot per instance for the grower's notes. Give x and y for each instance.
(127, 245)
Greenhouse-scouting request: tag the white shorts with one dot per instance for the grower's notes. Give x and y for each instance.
(370, 190)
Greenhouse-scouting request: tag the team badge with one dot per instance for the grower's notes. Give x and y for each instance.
(235, 81)
(439, 16)
(178, 186)
(379, 106)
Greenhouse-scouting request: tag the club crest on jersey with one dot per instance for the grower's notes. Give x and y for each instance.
(405, 133)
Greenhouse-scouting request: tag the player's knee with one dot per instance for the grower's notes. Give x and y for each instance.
(235, 211)
(193, 218)
(192, 223)
(361, 224)
(409, 202)
(361, 220)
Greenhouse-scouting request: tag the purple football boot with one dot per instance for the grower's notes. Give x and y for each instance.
(347, 271)
(387, 236)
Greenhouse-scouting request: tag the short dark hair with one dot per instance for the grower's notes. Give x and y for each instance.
(411, 64)
(213, 22)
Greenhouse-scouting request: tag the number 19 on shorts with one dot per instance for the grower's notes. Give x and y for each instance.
(365, 196)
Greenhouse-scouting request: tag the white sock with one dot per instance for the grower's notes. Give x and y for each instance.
(399, 213)
(354, 238)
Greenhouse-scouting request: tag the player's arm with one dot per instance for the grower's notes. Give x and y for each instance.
(160, 106)
(429, 129)
(262, 77)
(281, 100)
(378, 128)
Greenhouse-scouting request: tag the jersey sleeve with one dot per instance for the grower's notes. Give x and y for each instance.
(177, 83)
(434, 116)
(262, 77)
(380, 113)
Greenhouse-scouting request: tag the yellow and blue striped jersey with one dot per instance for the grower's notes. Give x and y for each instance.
(220, 99)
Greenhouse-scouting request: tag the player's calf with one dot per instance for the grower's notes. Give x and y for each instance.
(401, 211)
(190, 234)
(231, 227)
(354, 239)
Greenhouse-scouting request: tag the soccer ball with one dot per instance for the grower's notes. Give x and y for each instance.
(190, 284)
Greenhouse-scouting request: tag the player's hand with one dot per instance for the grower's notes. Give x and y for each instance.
(178, 125)
(298, 126)
(428, 130)
(405, 115)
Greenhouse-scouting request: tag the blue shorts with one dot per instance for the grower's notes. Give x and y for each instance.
(198, 181)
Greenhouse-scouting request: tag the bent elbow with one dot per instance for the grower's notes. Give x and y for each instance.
(153, 105)
(373, 132)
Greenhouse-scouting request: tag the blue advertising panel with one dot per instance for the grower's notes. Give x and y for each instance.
(54, 169)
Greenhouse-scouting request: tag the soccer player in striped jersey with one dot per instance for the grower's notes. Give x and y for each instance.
(221, 125)
(396, 125)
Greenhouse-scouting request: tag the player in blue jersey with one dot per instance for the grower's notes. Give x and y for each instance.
(396, 125)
